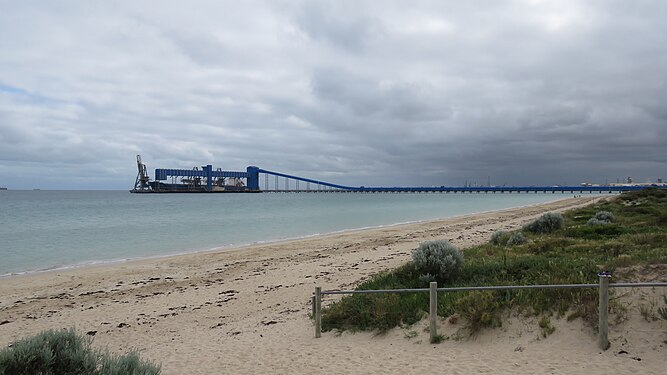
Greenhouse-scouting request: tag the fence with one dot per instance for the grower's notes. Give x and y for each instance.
(603, 306)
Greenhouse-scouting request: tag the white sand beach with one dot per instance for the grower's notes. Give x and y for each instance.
(246, 310)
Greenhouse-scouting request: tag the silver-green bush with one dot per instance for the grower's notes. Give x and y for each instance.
(66, 352)
(130, 363)
(500, 237)
(437, 259)
(547, 223)
(593, 222)
(605, 216)
(601, 218)
(517, 238)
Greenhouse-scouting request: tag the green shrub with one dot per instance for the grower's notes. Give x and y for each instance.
(601, 218)
(480, 309)
(516, 238)
(129, 363)
(66, 352)
(49, 352)
(605, 216)
(546, 326)
(374, 311)
(500, 237)
(437, 259)
(547, 223)
(505, 238)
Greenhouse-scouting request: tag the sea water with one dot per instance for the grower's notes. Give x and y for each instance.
(42, 230)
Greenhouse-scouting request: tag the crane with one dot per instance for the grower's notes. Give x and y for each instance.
(141, 183)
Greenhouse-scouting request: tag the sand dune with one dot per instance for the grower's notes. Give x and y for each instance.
(245, 311)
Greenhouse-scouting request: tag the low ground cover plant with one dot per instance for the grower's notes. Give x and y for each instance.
(560, 249)
(517, 238)
(505, 238)
(547, 223)
(601, 218)
(500, 237)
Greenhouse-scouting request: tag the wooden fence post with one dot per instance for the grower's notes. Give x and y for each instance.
(318, 312)
(603, 311)
(433, 311)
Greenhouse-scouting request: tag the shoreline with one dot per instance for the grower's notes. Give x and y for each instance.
(233, 247)
(247, 310)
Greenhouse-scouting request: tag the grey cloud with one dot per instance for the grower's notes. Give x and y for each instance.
(360, 93)
(203, 49)
(332, 22)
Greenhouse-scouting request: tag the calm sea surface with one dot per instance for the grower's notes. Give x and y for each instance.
(49, 229)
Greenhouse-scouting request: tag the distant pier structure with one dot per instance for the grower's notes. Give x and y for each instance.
(257, 180)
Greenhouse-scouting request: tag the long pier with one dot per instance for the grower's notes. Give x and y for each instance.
(323, 186)
(453, 191)
(257, 180)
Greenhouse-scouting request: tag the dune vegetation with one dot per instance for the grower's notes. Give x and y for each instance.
(57, 352)
(610, 235)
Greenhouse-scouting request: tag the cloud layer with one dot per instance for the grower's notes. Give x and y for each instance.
(361, 93)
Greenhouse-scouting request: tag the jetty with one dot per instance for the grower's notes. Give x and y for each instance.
(257, 180)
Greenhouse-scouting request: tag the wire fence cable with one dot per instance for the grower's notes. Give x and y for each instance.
(603, 306)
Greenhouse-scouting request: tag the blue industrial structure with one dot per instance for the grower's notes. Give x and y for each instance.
(207, 174)
(206, 180)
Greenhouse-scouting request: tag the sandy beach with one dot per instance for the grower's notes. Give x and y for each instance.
(246, 310)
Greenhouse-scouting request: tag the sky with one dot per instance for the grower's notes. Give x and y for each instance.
(374, 93)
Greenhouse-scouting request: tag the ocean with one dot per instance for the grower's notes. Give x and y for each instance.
(42, 230)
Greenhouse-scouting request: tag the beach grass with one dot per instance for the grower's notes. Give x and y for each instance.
(573, 254)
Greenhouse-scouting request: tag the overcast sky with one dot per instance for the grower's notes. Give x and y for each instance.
(362, 93)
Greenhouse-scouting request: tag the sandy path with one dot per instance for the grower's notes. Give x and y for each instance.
(246, 310)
